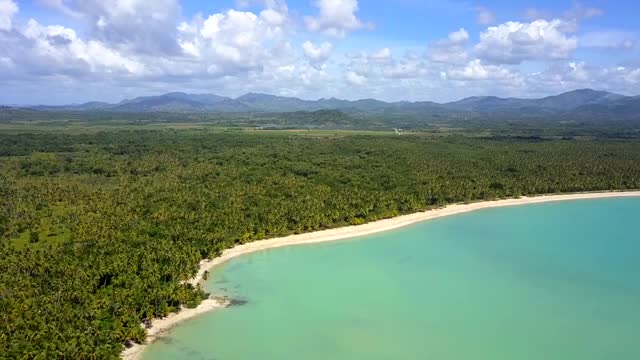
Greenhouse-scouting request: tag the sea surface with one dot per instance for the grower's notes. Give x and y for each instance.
(547, 281)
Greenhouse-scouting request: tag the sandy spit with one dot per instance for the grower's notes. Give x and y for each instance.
(160, 327)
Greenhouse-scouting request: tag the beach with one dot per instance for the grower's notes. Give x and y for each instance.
(161, 326)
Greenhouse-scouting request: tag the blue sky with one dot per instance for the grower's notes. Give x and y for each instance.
(70, 51)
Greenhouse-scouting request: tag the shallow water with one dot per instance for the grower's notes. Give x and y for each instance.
(548, 281)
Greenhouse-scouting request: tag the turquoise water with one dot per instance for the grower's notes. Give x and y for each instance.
(549, 281)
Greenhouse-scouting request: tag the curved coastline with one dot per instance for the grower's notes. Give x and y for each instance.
(160, 327)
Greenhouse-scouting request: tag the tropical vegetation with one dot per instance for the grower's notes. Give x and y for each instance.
(100, 229)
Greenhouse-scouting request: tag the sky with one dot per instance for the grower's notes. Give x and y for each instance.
(73, 51)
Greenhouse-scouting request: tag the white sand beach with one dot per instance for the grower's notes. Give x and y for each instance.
(161, 326)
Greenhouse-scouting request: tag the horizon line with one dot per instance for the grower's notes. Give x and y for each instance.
(310, 100)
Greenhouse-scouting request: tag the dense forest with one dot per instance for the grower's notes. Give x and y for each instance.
(99, 229)
(330, 119)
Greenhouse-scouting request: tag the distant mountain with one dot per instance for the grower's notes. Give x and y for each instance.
(577, 98)
(623, 109)
(363, 104)
(179, 102)
(566, 101)
(487, 104)
(272, 103)
(334, 103)
(577, 104)
(93, 105)
(208, 99)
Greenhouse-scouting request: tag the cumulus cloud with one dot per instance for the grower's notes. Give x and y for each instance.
(336, 18)
(451, 50)
(8, 9)
(355, 79)
(299, 77)
(50, 50)
(515, 42)
(476, 70)
(380, 66)
(632, 76)
(382, 55)
(135, 25)
(235, 41)
(410, 67)
(317, 55)
(484, 16)
(456, 38)
(223, 44)
(563, 76)
(133, 47)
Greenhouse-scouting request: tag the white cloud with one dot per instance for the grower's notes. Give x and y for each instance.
(485, 16)
(336, 18)
(451, 50)
(135, 25)
(458, 37)
(408, 68)
(235, 41)
(301, 77)
(133, 47)
(578, 72)
(57, 49)
(8, 9)
(224, 44)
(382, 55)
(273, 17)
(317, 55)
(354, 78)
(380, 66)
(515, 42)
(633, 77)
(476, 70)
(564, 76)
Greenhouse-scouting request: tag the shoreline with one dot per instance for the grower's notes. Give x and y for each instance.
(160, 327)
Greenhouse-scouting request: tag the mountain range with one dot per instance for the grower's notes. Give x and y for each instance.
(574, 105)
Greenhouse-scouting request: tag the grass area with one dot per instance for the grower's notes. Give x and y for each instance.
(49, 234)
(74, 127)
